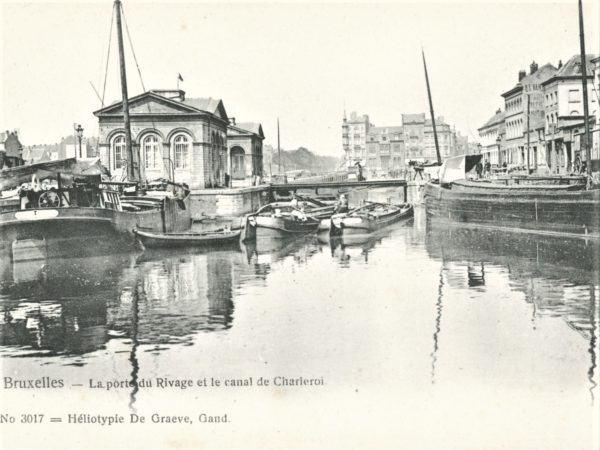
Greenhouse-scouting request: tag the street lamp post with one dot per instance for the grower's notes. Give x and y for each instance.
(79, 131)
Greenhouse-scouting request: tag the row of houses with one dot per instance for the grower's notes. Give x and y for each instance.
(542, 123)
(393, 147)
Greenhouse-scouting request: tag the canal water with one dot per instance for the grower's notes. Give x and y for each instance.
(416, 337)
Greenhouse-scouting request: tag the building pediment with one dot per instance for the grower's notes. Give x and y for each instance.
(149, 103)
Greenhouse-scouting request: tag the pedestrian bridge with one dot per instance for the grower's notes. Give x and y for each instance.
(339, 186)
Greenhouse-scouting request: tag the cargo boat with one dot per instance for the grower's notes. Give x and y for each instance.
(369, 218)
(67, 198)
(544, 205)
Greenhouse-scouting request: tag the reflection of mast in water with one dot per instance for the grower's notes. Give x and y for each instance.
(135, 366)
(593, 341)
(438, 320)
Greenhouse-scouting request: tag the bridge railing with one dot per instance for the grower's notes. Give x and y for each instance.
(335, 177)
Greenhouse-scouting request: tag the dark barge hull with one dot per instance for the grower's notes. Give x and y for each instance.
(561, 210)
(90, 222)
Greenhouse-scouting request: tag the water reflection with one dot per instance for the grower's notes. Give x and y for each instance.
(438, 323)
(345, 249)
(263, 253)
(558, 276)
(60, 306)
(160, 302)
(75, 305)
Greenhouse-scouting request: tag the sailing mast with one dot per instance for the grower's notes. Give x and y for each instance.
(132, 166)
(437, 146)
(278, 149)
(586, 113)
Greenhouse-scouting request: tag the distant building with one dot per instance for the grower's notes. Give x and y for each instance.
(392, 147)
(420, 141)
(72, 149)
(354, 138)
(34, 154)
(492, 135)
(179, 138)
(464, 146)
(385, 149)
(11, 150)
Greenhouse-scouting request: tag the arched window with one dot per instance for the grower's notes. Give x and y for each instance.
(119, 151)
(151, 152)
(181, 151)
(238, 163)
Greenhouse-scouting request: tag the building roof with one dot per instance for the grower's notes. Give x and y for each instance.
(247, 128)
(540, 76)
(178, 105)
(36, 154)
(439, 122)
(203, 104)
(382, 130)
(572, 68)
(413, 118)
(253, 127)
(495, 119)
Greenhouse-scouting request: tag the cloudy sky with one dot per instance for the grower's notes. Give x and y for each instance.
(301, 62)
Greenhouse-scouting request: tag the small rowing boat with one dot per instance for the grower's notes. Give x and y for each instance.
(188, 239)
(369, 218)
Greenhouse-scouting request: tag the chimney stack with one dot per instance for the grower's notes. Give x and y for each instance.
(559, 63)
(522, 74)
(533, 68)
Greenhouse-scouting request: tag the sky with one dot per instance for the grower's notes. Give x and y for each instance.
(303, 63)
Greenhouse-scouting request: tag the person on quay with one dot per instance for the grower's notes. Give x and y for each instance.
(342, 205)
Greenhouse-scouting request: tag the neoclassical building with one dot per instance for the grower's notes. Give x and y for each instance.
(178, 138)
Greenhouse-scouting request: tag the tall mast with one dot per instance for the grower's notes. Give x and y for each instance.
(437, 146)
(132, 167)
(586, 114)
(278, 149)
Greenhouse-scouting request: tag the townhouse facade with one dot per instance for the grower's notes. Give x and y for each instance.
(391, 148)
(542, 124)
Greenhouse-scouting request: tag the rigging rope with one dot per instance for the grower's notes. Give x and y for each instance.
(132, 50)
(112, 20)
(161, 147)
